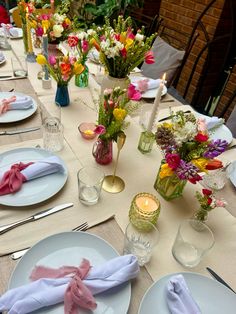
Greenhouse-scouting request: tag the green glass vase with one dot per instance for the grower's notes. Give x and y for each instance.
(170, 187)
(82, 79)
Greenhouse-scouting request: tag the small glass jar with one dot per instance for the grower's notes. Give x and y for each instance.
(144, 206)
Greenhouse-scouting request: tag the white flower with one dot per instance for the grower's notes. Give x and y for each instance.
(184, 133)
(139, 37)
(107, 91)
(91, 32)
(82, 35)
(59, 18)
(57, 30)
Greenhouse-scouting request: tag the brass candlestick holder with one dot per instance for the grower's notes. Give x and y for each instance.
(113, 183)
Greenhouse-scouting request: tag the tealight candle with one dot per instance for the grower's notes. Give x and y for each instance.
(144, 206)
(87, 130)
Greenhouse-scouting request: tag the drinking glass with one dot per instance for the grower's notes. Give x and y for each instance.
(141, 242)
(193, 240)
(53, 139)
(90, 181)
(19, 66)
(216, 179)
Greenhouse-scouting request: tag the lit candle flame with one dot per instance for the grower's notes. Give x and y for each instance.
(146, 203)
(164, 77)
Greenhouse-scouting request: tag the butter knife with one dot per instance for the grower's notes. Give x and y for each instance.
(35, 217)
(12, 132)
(218, 278)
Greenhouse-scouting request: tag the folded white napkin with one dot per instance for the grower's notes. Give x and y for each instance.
(213, 122)
(151, 83)
(21, 102)
(46, 292)
(15, 32)
(178, 297)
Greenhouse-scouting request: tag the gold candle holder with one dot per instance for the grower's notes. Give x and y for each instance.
(144, 206)
(113, 183)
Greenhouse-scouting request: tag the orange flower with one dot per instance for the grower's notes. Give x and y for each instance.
(214, 164)
(95, 44)
(65, 68)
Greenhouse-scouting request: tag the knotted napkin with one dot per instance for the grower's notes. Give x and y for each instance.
(144, 84)
(12, 180)
(75, 289)
(15, 103)
(178, 296)
(213, 122)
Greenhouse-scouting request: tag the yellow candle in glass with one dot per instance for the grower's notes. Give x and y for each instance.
(144, 206)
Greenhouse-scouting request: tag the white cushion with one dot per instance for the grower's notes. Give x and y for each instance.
(167, 60)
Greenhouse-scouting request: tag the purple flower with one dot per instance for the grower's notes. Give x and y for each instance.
(187, 171)
(215, 148)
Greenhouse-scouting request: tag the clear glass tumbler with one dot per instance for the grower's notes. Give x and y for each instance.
(193, 240)
(141, 242)
(90, 181)
(19, 66)
(53, 139)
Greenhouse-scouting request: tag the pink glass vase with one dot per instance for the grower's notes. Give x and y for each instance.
(102, 151)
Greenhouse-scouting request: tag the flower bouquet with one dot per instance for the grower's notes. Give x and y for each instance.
(207, 202)
(114, 106)
(121, 50)
(81, 44)
(188, 151)
(62, 69)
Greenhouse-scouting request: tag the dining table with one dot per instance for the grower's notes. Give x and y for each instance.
(136, 169)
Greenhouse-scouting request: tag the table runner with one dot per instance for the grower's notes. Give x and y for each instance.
(65, 220)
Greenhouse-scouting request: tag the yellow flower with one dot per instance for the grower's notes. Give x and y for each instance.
(78, 68)
(33, 24)
(41, 59)
(167, 125)
(166, 171)
(119, 114)
(128, 42)
(45, 24)
(67, 21)
(123, 37)
(200, 163)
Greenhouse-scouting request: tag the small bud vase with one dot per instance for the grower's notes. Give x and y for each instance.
(169, 187)
(102, 151)
(62, 95)
(82, 79)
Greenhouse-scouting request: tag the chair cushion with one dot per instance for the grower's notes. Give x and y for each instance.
(167, 59)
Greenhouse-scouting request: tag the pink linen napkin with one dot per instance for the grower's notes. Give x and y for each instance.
(77, 287)
(144, 84)
(178, 297)
(15, 103)
(12, 180)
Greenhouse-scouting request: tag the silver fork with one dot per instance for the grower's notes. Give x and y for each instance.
(16, 255)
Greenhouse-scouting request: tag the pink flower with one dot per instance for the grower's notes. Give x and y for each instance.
(103, 38)
(39, 31)
(220, 203)
(201, 138)
(149, 57)
(117, 37)
(85, 45)
(201, 125)
(133, 93)
(100, 129)
(72, 41)
(123, 52)
(173, 160)
(52, 60)
(72, 60)
(130, 34)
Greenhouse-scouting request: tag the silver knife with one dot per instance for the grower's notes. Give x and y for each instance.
(36, 216)
(12, 132)
(218, 278)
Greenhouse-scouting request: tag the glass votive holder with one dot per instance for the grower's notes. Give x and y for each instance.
(146, 142)
(86, 130)
(144, 207)
(53, 136)
(216, 179)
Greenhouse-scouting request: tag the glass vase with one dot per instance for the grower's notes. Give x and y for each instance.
(82, 79)
(62, 95)
(102, 151)
(201, 215)
(169, 187)
(25, 37)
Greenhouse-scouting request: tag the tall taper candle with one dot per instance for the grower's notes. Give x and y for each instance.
(45, 52)
(156, 104)
(29, 39)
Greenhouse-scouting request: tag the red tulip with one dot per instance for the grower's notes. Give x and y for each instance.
(200, 137)
(206, 192)
(149, 57)
(214, 164)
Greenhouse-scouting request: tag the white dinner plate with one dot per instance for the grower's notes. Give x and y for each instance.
(211, 296)
(68, 248)
(33, 191)
(231, 171)
(16, 115)
(222, 132)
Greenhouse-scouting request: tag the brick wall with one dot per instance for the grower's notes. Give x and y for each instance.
(182, 15)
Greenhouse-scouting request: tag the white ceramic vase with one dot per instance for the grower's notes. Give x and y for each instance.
(112, 82)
